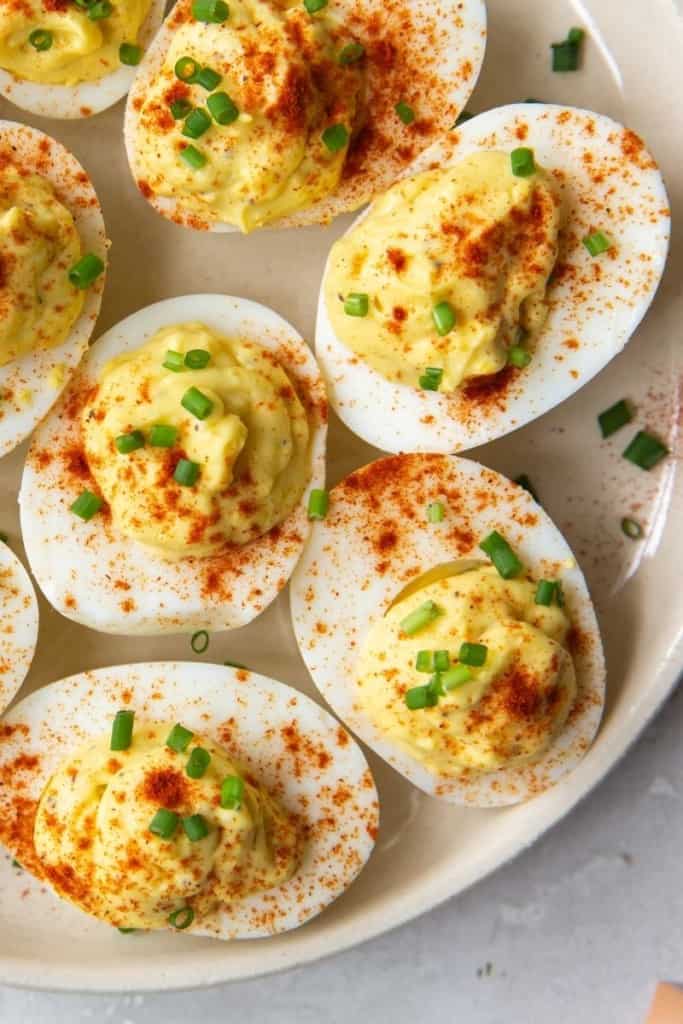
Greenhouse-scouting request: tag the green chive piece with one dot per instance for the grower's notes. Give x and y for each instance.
(180, 109)
(174, 361)
(122, 730)
(86, 271)
(16, 864)
(614, 418)
(431, 378)
(232, 792)
(86, 505)
(126, 931)
(565, 56)
(356, 304)
(179, 738)
(632, 529)
(196, 123)
(518, 356)
(197, 763)
(197, 359)
(442, 661)
(443, 316)
(335, 137)
(222, 109)
(522, 162)
(199, 641)
(186, 473)
(463, 117)
(40, 39)
(419, 618)
(130, 54)
(212, 11)
(84, 4)
(502, 555)
(455, 677)
(101, 9)
(576, 36)
(163, 436)
(351, 53)
(597, 243)
(531, 99)
(523, 481)
(313, 6)
(435, 512)
(164, 823)
(182, 918)
(195, 827)
(420, 697)
(404, 112)
(645, 450)
(318, 503)
(545, 592)
(127, 443)
(197, 403)
(209, 79)
(473, 654)
(236, 664)
(187, 70)
(193, 157)
(424, 661)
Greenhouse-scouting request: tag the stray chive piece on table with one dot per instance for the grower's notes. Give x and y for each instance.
(419, 618)
(356, 304)
(122, 730)
(199, 641)
(501, 554)
(179, 738)
(86, 505)
(318, 503)
(182, 918)
(597, 243)
(566, 56)
(614, 418)
(645, 451)
(435, 512)
(522, 162)
(86, 271)
(631, 528)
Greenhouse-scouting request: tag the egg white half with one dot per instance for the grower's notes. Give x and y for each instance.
(357, 561)
(18, 624)
(591, 318)
(69, 102)
(32, 384)
(324, 778)
(452, 32)
(96, 576)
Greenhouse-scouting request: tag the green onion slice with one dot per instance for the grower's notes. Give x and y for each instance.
(442, 661)
(420, 697)
(222, 109)
(209, 79)
(195, 827)
(197, 763)
(186, 473)
(40, 39)
(196, 123)
(178, 738)
(431, 378)
(192, 157)
(313, 6)
(566, 56)
(163, 436)
(181, 918)
(435, 512)
(174, 361)
(335, 137)
(197, 403)
(351, 53)
(576, 36)
(197, 359)
(455, 677)
(614, 418)
(101, 9)
(632, 529)
(419, 618)
(502, 555)
(404, 112)
(318, 503)
(164, 823)
(236, 664)
(86, 505)
(122, 730)
(356, 304)
(597, 243)
(545, 592)
(130, 54)
(199, 641)
(127, 443)
(522, 162)
(424, 661)
(232, 792)
(180, 109)
(473, 654)
(86, 271)
(211, 11)
(645, 450)
(518, 356)
(187, 70)
(126, 931)
(443, 316)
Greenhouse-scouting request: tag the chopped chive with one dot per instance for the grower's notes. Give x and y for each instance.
(404, 112)
(645, 450)
(351, 53)
(197, 359)
(180, 109)
(174, 361)
(419, 618)
(443, 316)
(86, 271)
(545, 592)
(164, 823)
(431, 378)
(86, 505)
(632, 529)
(597, 243)
(181, 918)
(523, 481)
(313, 6)
(455, 677)
(614, 418)
(187, 70)
(195, 827)
(209, 79)
(232, 792)
(335, 137)
(199, 641)
(435, 512)
(518, 356)
(502, 555)
(40, 39)
(211, 11)
(463, 117)
(126, 931)
(196, 123)
(130, 54)
(186, 473)
(163, 436)
(101, 9)
(522, 162)
(236, 664)
(179, 738)
(318, 503)
(16, 864)
(424, 661)
(530, 99)
(420, 697)
(127, 443)
(222, 109)
(473, 654)
(197, 763)
(197, 403)
(442, 661)
(122, 730)
(576, 36)
(356, 304)
(565, 55)
(193, 157)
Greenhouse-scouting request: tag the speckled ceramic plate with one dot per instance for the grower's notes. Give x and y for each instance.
(631, 72)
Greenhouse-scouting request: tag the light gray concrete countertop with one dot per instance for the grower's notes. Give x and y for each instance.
(575, 931)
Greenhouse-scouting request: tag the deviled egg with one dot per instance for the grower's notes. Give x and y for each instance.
(18, 624)
(512, 263)
(53, 251)
(442, 616)
(168, 491)
(72, 58)
(185, 796)
(291, 112)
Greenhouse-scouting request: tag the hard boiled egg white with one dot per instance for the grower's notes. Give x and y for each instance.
(18, 624)
(376, 539)
(289, 744)
(29, 386)
(427, 54)
(609, 182)
(86, 98)
(100, 578)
